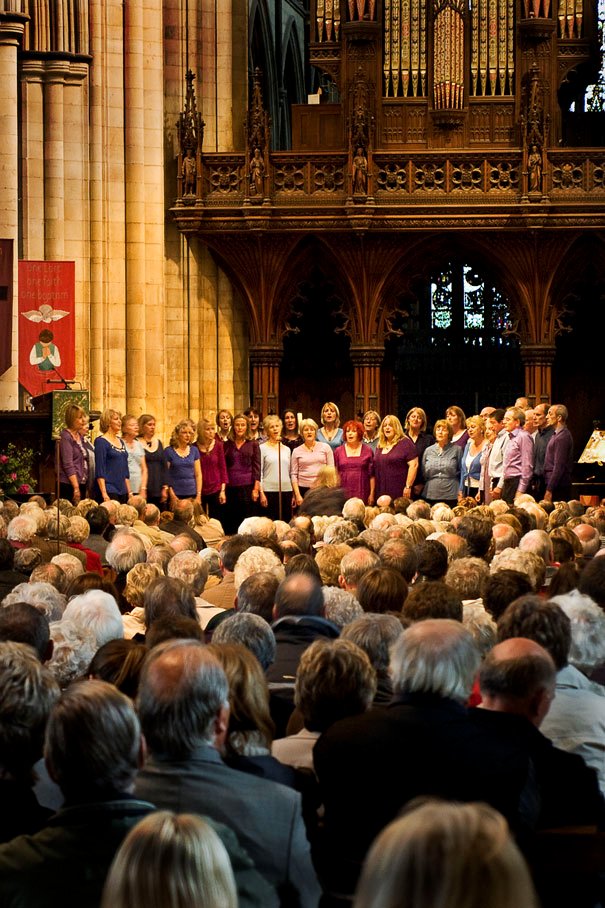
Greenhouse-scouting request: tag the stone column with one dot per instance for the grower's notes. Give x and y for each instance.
(367, 360)
(265, 360)
(32, 158)
(11, 32)
(55, 74)
(537, 360)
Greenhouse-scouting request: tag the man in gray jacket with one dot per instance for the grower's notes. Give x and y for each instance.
(184, 713)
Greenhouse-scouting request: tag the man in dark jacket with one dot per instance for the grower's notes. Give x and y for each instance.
(93, 751)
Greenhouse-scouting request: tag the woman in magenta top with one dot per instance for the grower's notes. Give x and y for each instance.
(242, 458)
(355, 464)
(395, 461)
(214, 469)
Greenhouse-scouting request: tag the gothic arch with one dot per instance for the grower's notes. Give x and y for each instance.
(261, 55)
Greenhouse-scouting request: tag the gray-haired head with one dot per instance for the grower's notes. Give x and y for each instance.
(375, 634)
(340, 606)
(97, 611)
(251, 631)
(436, 656)
(189, 567)
(125, 550)
(42, 596)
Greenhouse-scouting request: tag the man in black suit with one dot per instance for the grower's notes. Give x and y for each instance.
(184, 712)
(422, 743)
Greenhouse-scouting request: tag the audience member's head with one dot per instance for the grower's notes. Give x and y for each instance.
(432, 559)
(592, 581)
(518, 676)
(169, 861)
(124, 551)
(166, 596)
(334, 680)
(93, 742)
(251, 631)
(254, 559)
(173, 627)
(298, 594)
(466, 576)
(382, 590)
(27, 693)
(479, 864)
(23, 623)
(183, 699)
(119, 662)
(191, 569)
(525, 562)
(477, 534)
(355, 564)
(375, 634)
(502, 588)
(539, 620)
(340, 606)
(435, 657)
(432, 600)
(400, 555)
(97, 611)
(42, 596)
(587, 650)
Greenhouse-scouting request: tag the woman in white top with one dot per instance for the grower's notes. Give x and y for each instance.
(136, 455)
(275, 485)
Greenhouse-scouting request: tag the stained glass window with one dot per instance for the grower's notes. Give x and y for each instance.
(465, 307)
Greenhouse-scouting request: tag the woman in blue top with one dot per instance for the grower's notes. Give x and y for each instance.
(111, 459)
(330, 433)
(470, 466)
(183, 462)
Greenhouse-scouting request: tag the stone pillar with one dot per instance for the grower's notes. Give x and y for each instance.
(32, 158)
(134, 150)
(55, 74)
(11, 33)
(537, 360)
(265, 360)
(367, 360)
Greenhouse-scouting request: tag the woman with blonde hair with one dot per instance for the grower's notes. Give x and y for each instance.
(183, 462)
(137, 465)
(242, 458)
(330, 433)
(275, 484)
(371, 425)
(307, 460)
(459, 855)
(470, 467)
(171, 861)
(395, 461)
(111, 459)
(214, 469)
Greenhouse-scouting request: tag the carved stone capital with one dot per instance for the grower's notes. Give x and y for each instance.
(367, 354)
(266, 354)
(537, 354)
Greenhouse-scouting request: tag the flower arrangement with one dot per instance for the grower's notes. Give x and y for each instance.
(16, 471)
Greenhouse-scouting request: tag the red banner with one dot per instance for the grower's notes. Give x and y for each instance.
(47, 350)
(6, 304)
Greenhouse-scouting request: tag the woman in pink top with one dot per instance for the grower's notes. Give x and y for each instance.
(307, 459)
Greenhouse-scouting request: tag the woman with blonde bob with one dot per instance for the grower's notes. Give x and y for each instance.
(395, 461)
(330, 431)
(441, 854)
(171, 861)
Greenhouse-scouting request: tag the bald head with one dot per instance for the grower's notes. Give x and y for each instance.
(518, 676)
(590, 539)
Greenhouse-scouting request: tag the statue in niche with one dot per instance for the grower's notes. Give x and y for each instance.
(189, 173)
(257, 173)
(360, 173)
(534, 167)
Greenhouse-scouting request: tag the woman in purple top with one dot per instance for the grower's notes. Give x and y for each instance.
(183, 462)
(242, 458)
(307, 460)
(457, 421)
(74, 471)
(355, 464)
(214, 469)
(395, 461)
